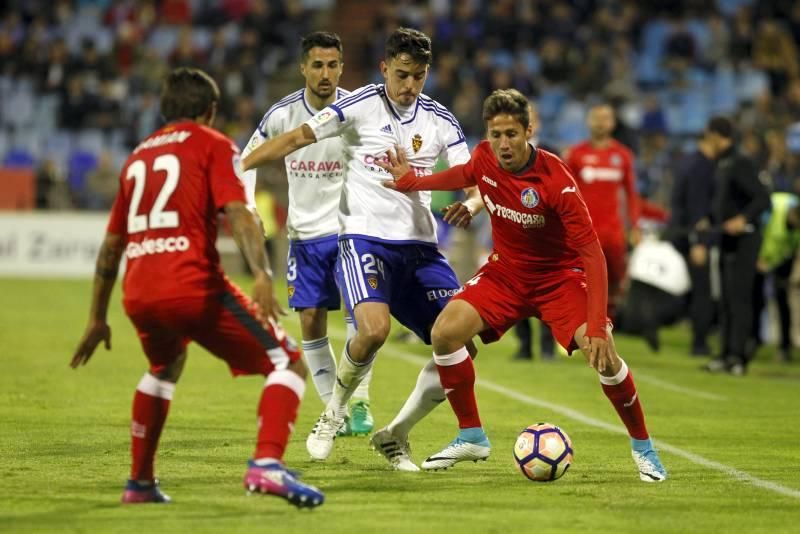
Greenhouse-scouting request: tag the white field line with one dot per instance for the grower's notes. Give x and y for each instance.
(663, 384)
(732, 472)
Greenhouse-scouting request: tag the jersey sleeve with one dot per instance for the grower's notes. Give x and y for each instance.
(456, 150)
(249, 176)
(225, 176)
(571, 208)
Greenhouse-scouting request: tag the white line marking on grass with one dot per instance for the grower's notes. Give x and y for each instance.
(663, 384)
(590, 421)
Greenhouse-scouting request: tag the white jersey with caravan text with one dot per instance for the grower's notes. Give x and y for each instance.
(370, 125)
(315, 172)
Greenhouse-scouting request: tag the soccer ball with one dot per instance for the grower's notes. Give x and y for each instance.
(543, 452)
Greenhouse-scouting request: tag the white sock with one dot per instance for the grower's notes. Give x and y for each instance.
(427, 395)
(348, 376)
(362, 391)
(322, 366)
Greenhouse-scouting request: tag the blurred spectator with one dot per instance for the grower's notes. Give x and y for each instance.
(52, 191)
(738, 204)
(776, 53)
(102, 183)
(691, 210)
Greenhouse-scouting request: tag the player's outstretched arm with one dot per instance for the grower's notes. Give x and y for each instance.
(250, 239)
(279, 147)
(406, 179)
(105, 276)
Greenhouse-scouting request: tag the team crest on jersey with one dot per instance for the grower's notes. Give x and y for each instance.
(290, 290)
(416, 142)
(529, 197)
(373, 282)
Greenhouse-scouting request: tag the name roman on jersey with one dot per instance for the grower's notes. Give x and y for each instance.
(163, 139)
(161, 245)
(527, 220)
(315, 169)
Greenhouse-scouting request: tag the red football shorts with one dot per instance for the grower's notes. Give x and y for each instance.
(502, 300)
(223, 324)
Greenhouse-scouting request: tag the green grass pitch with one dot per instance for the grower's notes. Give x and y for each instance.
(731, 445)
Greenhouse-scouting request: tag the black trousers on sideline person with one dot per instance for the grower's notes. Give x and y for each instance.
(701, 307)
(738, 257)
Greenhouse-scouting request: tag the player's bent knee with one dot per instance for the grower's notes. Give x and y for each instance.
(172, 371)
(313, 322)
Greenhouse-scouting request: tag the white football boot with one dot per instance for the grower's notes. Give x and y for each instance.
(320, 441)
(457, 451)
(647, 461)
(396, 451)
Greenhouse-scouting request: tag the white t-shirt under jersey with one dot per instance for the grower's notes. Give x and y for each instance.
(370, 124)
(315, 172)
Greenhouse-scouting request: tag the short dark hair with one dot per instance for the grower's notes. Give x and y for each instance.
(322, 40)
(508, 101)
(187, 93)
(412, 42)
(721, 126)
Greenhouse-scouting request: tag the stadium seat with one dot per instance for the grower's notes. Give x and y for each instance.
(19, 157)
(80, 164)
(550, 101)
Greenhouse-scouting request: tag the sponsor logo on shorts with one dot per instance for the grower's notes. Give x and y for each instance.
(373, 282)
(290, 290)
(436, 294)
(162, 245)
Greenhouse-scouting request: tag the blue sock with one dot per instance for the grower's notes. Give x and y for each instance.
(474, 435)
(641, 445)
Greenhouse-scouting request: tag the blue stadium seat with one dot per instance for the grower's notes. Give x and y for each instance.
(550, 101)
(750, 83)
(19, 157)
(571, 123)
(80, 164)
(724, 94)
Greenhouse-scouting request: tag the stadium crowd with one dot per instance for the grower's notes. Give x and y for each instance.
(79, 79)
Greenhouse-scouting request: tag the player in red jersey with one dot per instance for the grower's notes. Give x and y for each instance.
(601, 165)
(547, 263)
(164, 220)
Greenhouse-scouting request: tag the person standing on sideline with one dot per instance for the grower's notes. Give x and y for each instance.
(523, 330)
(388, 264)
(601, 166)
(315, 175)
(738, 203)
(691, 213)
(164, 220)
(547, 262)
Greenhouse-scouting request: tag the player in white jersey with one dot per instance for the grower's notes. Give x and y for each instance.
(315, 175)
(388, 260)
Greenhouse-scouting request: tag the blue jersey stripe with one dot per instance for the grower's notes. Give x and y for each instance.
(343, 101)
(294, 97)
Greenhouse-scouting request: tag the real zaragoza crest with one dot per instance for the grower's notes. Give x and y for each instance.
(373, 282)
(416, 142)
(290, 290)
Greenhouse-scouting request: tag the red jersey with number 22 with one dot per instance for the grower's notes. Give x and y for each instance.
(171, 188)
(539, 218)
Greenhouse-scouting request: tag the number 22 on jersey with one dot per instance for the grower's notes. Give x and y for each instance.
(158, 217)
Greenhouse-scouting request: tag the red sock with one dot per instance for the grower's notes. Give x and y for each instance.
(277, 412)
(457, 375)
(150, 408)
(621, 391)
